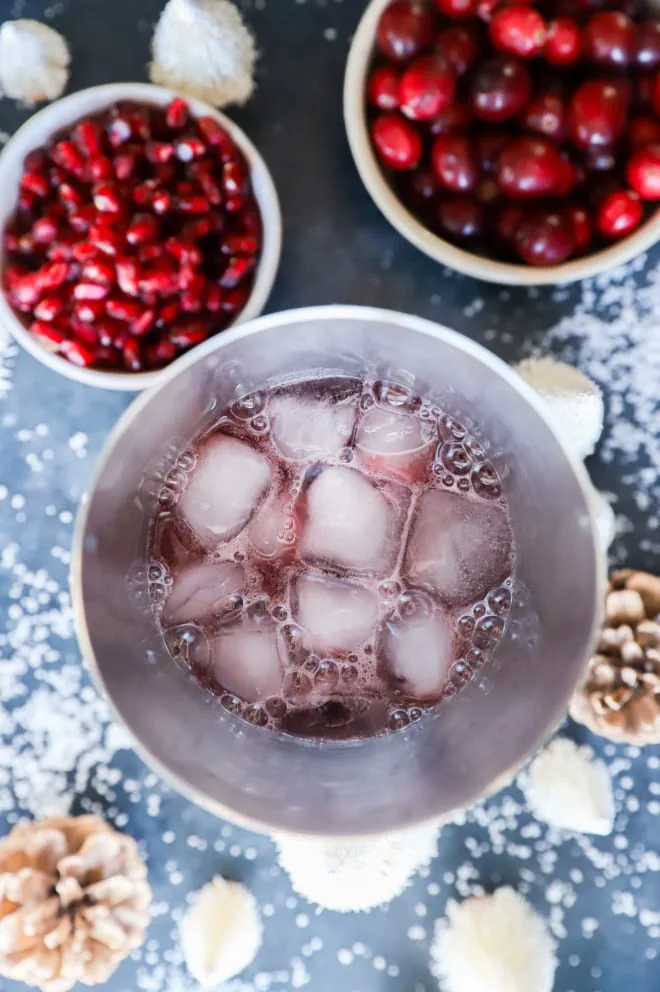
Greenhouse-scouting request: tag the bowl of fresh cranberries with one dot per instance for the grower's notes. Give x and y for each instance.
(135, 225)
(517, 141)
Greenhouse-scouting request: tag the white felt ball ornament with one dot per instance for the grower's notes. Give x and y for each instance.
(575, 402)
(493, 943)
(568, 787)
(352, 876)
(201, 48)
(221, 932)
(34, 61)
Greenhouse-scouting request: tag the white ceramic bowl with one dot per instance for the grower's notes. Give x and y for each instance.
(355, 117)
(37, 131)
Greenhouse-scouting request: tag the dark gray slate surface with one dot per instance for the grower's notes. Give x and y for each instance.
(58, 748)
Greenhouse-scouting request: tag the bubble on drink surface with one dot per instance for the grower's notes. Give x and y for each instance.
(486, 482)
(225, 489)
(398, 719)
(295, 644)
(297, 684)
(475, 448)
(466, 625)
(205, 590)
(176, 479)
(450, 426)
(245, 659)
(311, 664)
(459, 673)
(306, 429)
(366, 401)
(396, 394)
(390, 589)
(499, 601)
(188, 646)
(338, 615)
(256, 715)
(455, 459)
(231, 703)
(279, 613)
(415, 654)
(349, 522)
(327, 675)
(349, 674)
(415, 603)
(474, 658)
(479, 610)
(187, 460)
(458, 548)
(415, 713)
(248, 406)
(159, 583)
(463, 485)
(489, 632)
(275, 707)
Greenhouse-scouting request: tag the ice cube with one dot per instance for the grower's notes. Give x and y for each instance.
(349, 522)
(202, 591)
(338, 615)
(245, 660)
(459, 548)
(305, 429)
(272, 529)
(416, 653)
(397, 444)
(225, 488)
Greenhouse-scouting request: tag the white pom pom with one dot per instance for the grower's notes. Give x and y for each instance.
(570, 788)
(34, 61)
(351, 876)
(201, 48)
(605, 521)
(493, 943)
(575, 402)
(221, 932)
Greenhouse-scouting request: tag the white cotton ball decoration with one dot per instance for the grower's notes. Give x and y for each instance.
(493, 943)
(221, 932)
(568, 787)
(605, 521)
(575, 402)
(353, 876)
(201, 48)
(34, 61)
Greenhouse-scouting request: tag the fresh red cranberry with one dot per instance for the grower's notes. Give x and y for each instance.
(597, 114)
(648, 44)
(508, 220)
(460, 218)
(581, 224)
(456, 118)
(426, 88)
(422, 188)
(609, 38)
(528, 167)
(405, 29)
(570, 176)
(455, 163)
(619, 214)
(518, 30)
(643, 130)
(599, 159)
(500, 88)
(383, 88)
(486, 9)
(544, 237)
(546, 114)
(490, 143)
(563, 43)
(460, 46)
(643, 172)
(655, 93)
(397, 142)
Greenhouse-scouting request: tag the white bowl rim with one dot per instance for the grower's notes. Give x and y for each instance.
(480, 267)
(65, 111)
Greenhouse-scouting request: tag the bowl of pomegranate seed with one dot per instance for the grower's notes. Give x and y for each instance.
(515, 141)
(135, 226)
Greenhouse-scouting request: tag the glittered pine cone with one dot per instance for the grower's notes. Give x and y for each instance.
(74, 902)
(620, 698)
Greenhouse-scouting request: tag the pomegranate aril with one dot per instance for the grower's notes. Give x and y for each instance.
(26, 291)
(239, 244)
(161, 202)
(81, 220)
(144, 228)
(237, 269)
(397, 142)
(544, 238)
(234, 179)
(211, 189)
(106, 197)
(518, 30)
(177, 114)
(109, 241)
(52, 275)
(128, 275)
(49, 307)
(71, 196)
(194, 204)
(77, 353)
(119, 131)
(85, 333)
(597, 113)
(382, 88)
(44, 230)
(89, 311)
(188, 334)
(455, 162)
(51, 336)
(214, 134)
(500, 88)
(405, 28)
(88, 137)
(36, 183)
(126, 164)
(185, 252)
(62, 250)
(161, 353)
(427, 88)
(610, 38)
(99, 168)
(149, 253)
(643, 172)
(161, 281)
(132, 355)
(83, 251)
(563, 43)
(123, 308)
(167, 313)
(144, 323)
(108, 331)
(189, 148)
(66, 155)
(90, 291)
(36, 161)
(191, 279)
(214, 297)
(234, 300)
(99, 270)
(140, 123)
(159, 151)
(619, 214)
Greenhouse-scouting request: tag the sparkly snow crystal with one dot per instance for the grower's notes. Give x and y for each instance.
(575, 402)
(201, 48)
(351, 876)
(34, 61)
(221, 932)
(493, 943)
(570, 788)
